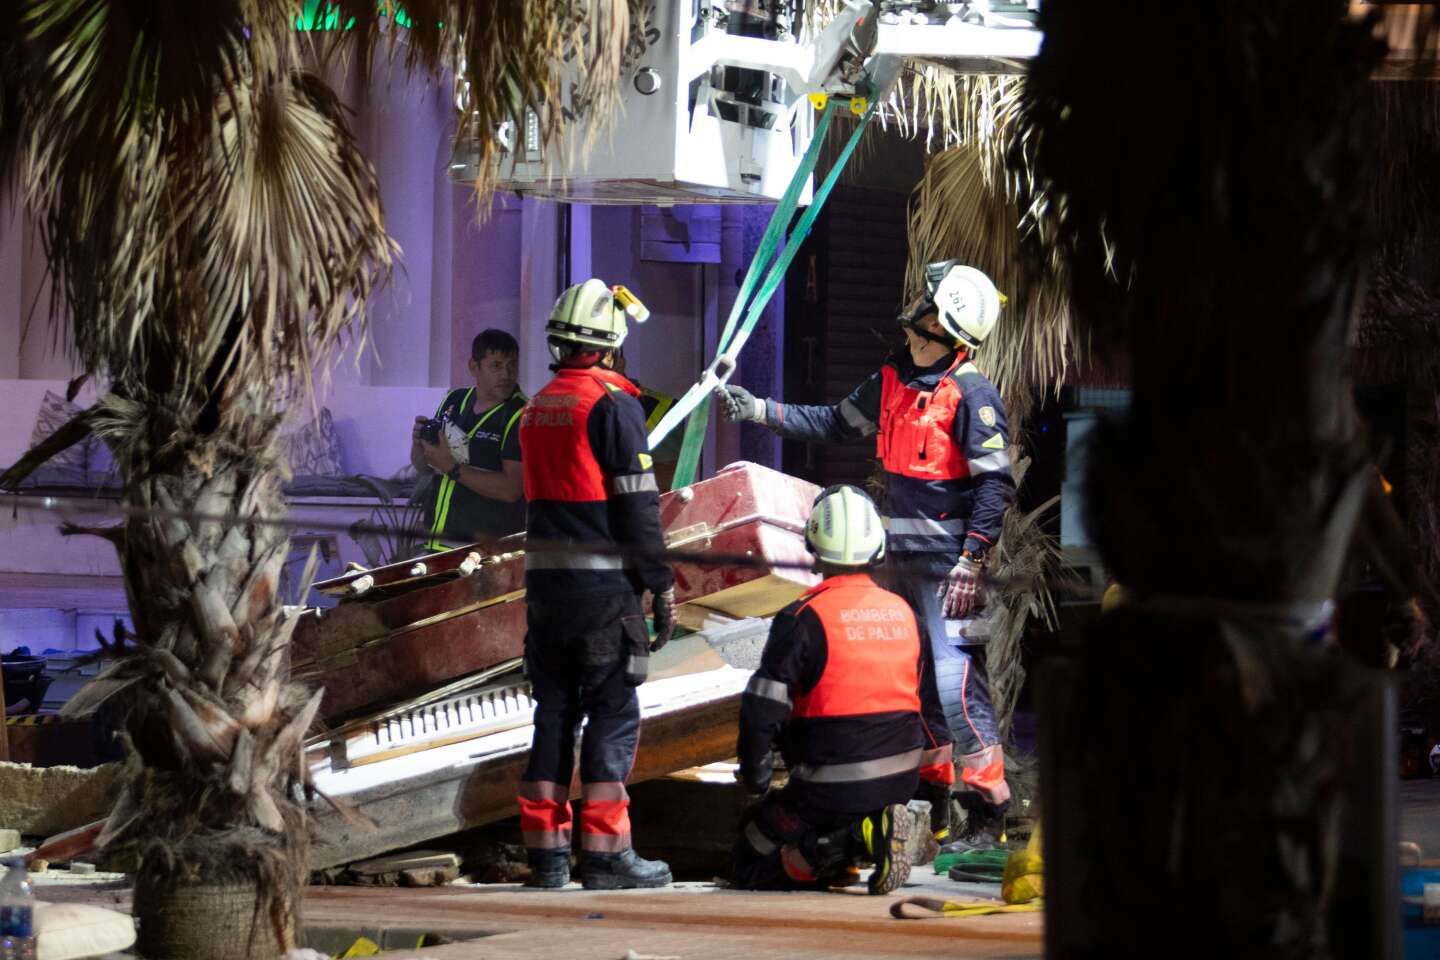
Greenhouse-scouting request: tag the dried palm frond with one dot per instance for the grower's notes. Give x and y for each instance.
(222, 222)
(1405, 197)
(1025, 554)
(959, 211)
(976, 200)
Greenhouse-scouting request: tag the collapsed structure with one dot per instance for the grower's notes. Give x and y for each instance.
(426, 702)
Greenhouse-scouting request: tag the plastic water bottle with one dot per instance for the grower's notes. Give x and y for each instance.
(17, 914)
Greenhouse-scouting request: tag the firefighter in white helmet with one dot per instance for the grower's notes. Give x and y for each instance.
(590, 487)
(839, 692)
(942, 439)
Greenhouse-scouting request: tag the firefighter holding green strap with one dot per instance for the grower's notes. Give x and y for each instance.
(470, 451)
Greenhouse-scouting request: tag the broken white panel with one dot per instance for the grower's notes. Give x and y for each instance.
(656, 698)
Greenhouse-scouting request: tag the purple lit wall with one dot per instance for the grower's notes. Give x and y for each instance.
(457, 276)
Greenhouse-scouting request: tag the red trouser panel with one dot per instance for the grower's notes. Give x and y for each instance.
(796, 867)
(937, 767)
(545, 814)
(605, 818)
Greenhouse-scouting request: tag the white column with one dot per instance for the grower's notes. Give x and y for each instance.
(538, 288)
(581, 266)
(407, 118)
(442, 268)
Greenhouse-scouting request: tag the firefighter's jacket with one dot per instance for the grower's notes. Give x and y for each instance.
(941, 436)
(838, 691)
(588, 482)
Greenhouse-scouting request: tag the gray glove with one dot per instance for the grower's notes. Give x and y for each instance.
(959, 592)
(740, 404)
(662, 613)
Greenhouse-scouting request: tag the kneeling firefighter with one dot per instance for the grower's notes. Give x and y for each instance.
(839, 689)
(942, 439)
(589, 484)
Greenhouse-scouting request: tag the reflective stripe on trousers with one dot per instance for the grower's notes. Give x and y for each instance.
(860, 770)
(544, 814)
(760, 843)
(542, 560)
(605, 817)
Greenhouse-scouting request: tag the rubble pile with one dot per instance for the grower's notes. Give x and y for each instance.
(427, 708)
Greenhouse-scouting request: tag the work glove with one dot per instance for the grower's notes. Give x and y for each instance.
(757, 781)
(959, 592)
(740, 404)
(662, 612)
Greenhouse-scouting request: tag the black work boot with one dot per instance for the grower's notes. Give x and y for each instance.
(626, 870)
(883, 837)
(549, 869)
(832, 855)
(984, 827)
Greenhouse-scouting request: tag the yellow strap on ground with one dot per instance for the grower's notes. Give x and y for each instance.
(1024, 878)
(928, 908)
(364, 947)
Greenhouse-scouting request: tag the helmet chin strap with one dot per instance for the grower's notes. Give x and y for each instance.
(910, 320)
(918, 330)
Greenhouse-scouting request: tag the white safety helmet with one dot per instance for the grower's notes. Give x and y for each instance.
(591, 314)
(965, 299)
(845, 529)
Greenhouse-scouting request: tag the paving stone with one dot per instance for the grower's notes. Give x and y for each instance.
(9, 840)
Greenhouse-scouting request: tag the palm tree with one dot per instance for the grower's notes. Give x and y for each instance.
(213, 233)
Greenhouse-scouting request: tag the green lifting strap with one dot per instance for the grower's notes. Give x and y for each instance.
(696, 404)
(733, 340)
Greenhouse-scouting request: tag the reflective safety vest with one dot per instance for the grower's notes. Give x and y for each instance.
(856, 737)
(445, 493)
(916, 436)
(872, 651)
(554, 434)
(838, 690)
(566, 489)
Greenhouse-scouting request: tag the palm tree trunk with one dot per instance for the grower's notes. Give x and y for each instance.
(216, 726)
